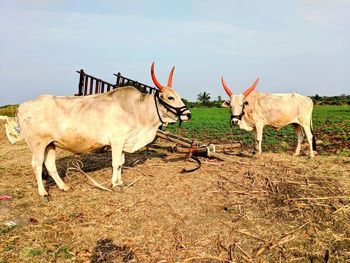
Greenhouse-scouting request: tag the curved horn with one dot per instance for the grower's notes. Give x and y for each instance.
(228, 91)
(252, 87)
(155, 81)
(170, 79)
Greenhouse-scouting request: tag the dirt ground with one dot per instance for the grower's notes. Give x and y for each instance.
(270, 208)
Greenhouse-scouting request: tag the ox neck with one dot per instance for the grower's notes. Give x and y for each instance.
(148, 114)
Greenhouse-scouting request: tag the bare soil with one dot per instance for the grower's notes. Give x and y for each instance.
(270, 208)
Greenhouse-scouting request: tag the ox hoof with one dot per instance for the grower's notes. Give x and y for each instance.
(65, 188)
(118, 188)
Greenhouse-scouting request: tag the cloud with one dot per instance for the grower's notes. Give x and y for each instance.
(325, 11)
(272, 40)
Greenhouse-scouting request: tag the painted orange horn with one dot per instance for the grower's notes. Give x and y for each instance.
(155, 81)
(252, 87)
(170, 79)
(228, 91)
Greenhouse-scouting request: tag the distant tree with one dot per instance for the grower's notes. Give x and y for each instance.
(219, 98)
(204, 98)
(186, 102)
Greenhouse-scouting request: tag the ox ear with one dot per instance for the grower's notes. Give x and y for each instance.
(225, 104)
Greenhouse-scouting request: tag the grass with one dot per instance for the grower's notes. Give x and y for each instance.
(267, 208)
(8, 110)
(54, 252)
(331, 126)
(6, 229)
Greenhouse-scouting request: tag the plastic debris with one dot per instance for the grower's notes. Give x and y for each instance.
(5, 197)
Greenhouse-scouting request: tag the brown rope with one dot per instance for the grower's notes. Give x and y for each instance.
(189, 155)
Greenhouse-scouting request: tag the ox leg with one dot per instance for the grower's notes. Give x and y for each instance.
(299, 131)
(259, 133)
(309, 135)
(117, 162)
(256, 143)
(50, 163)
(37, 164)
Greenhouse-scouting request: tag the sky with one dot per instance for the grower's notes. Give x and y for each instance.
(292, 46)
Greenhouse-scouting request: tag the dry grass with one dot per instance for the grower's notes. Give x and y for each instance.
(271, 208)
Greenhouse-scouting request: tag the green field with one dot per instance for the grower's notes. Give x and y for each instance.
(8, 110)
(331, 127)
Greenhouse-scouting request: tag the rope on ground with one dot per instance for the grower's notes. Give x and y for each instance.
(77, 165)
(194, 169)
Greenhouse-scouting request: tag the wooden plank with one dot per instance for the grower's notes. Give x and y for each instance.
(98, 83)
(117, 83)
(86, 88)
(81, 82)
(86, 85)
(91, 84)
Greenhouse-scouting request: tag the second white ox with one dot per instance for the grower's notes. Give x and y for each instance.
(253, 110)
(124, 118)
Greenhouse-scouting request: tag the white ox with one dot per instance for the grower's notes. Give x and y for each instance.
(253, 110)
(123, 118)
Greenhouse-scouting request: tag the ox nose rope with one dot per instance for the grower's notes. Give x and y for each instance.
(189, 155)
(232, 141)
(177, 111)
(239, 116)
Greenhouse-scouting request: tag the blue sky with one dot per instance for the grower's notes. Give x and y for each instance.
(293, 46)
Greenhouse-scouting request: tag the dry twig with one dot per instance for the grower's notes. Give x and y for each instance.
(249, 235)
(319, 198)
(203, 257)
(77, 165)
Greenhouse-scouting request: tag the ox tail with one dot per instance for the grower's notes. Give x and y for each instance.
(313, 137)
(12, 129)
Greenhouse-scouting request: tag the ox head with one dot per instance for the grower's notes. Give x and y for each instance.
(171, 107)
(237, 103)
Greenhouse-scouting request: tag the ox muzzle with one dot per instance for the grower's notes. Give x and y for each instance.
(235, 119)
(182, 113)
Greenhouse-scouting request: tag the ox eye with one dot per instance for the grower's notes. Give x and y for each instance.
(246, 103)
(171, 98)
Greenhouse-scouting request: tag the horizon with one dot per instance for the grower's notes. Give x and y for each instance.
(296, 46)
(222, 99)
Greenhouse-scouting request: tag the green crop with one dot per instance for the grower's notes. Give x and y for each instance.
(331, 127)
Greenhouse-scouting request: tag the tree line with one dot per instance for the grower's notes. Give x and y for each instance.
(204, 100)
